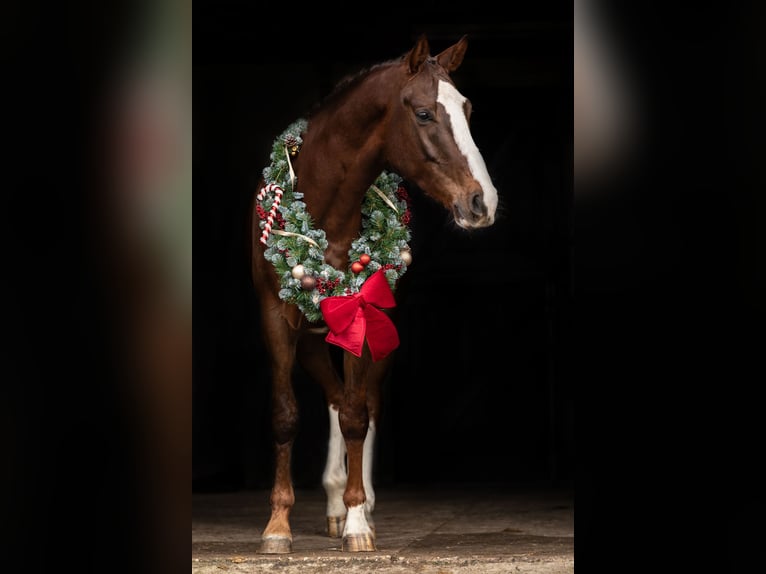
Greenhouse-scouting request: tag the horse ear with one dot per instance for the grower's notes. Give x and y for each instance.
(418, 54)
(451, 58)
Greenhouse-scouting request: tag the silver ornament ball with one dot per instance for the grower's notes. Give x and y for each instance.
(298, 271)
(308, 283)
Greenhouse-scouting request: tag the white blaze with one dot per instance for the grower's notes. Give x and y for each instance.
(453, 101)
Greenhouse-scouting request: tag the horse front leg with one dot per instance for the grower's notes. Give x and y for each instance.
(314, 356)
(281, 342)
(375, 378)
(353, 417)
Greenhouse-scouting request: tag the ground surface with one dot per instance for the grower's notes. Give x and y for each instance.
(466, 530)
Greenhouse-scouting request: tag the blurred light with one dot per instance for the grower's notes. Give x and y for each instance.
(605, 99)
(149, 134)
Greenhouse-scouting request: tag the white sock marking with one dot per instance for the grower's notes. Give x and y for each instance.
(367, 456)
(452, 100)
(334, 476)
(356, 521)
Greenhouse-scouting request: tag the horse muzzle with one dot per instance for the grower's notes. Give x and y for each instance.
(472, 212)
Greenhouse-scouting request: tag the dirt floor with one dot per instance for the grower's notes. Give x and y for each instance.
(465, 530)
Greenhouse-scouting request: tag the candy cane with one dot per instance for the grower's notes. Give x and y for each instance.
(278, 191)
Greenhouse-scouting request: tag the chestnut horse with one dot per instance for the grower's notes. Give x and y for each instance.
(404, 116)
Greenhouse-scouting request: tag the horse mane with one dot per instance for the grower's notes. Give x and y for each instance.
(348, 82)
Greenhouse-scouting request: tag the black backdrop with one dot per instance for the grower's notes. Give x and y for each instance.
(664, 339)
(644, 293)
(477, 392)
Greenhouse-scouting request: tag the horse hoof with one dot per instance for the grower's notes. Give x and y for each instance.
(276, 545)
(359, 543)
(335, 525)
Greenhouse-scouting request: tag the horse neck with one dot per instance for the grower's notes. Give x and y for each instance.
(340, 158)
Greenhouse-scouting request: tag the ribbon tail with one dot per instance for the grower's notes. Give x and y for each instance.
(352, 337)
(382, 337)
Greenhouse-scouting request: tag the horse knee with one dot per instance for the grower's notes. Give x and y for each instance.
(354, 423)
(285, 420)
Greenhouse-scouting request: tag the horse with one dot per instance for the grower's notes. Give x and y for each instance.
(329, 243)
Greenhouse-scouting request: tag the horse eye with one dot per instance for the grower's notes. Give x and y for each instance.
(424, 115)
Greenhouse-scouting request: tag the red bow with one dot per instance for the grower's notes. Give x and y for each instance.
(351, 318)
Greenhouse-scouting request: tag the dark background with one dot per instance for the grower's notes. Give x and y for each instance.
(646, 305)
(641, 294)
(478, 392)
(669, 301)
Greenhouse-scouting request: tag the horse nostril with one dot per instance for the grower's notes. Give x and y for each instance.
(477, 204)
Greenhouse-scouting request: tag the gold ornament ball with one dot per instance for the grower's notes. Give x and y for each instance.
(298, 271)
(308, 282)
(406, 256)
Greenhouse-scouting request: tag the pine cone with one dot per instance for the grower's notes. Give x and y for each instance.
(293, 144)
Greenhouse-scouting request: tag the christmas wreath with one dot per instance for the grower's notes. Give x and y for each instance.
(296, 248)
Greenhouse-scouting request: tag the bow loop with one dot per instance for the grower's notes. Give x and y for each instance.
(339, 312)
(376, 290)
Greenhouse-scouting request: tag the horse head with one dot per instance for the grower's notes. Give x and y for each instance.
(431, 143)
